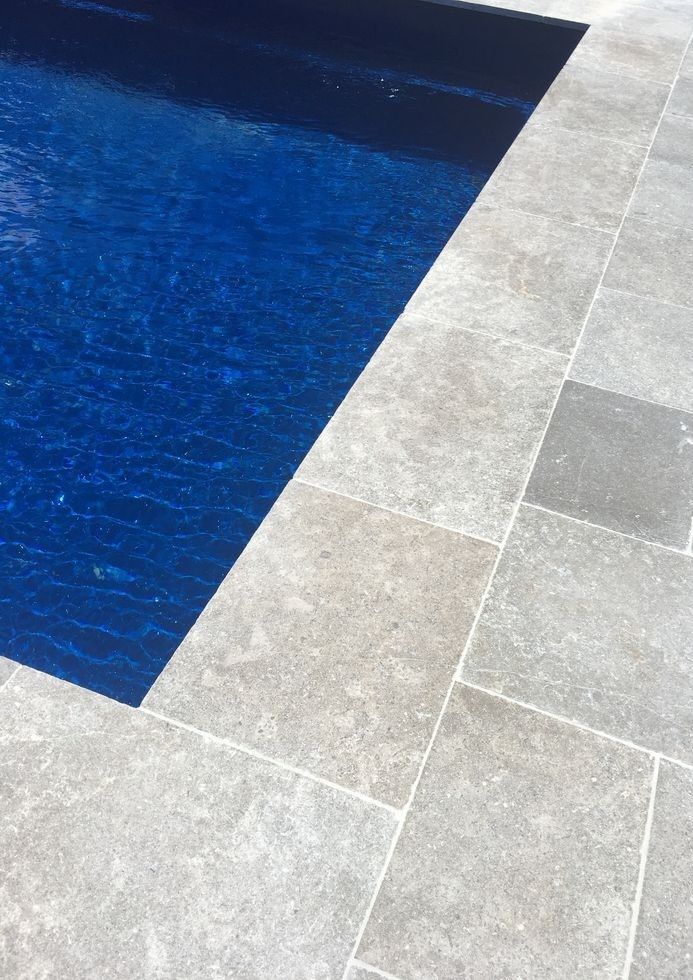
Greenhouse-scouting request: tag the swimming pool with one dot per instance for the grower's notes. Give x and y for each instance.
(210, 215)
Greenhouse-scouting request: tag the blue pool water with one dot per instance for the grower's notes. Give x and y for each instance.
(207, 225)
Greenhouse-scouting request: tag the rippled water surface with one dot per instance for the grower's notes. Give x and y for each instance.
(205, 231)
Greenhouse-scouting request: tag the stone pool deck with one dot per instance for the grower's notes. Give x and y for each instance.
(438, 720)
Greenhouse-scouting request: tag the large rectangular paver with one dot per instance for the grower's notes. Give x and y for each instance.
(618, 462)
(519, 857)
(568, 176)
(442, 425)
(665, 191)
(132, 849)
(7, 668)
(653, 260)
(589, 100)
(640, 347)
(664, 940)
(516, 276)
(630, 54)
(332, 642)
(592, 626)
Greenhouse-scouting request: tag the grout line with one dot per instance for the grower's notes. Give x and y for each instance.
(296, 770)
(6, 683)
(609, 530)
(635, 398)
(677, 762)
(374, 970)
(641, 872)
(497, 206)
(409, 313)
(398, 513)
(647, 297)
(539, 124)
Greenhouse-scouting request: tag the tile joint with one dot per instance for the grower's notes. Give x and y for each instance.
(644, 851)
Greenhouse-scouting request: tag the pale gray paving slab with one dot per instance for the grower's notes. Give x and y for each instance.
(619, 462)
(681, 102)
(665, 191)
(588, 100)
(567, 176)
(664, 940)
(132, 849)
(659, 18)
(7, 669)
(442, 425)
(516, 276)
(653, 260)
(520, 855)
(630, 55)
(639, 347)
(358, 972)
(332, 642)
(592, 626)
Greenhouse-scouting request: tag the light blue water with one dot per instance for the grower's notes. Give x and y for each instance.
(193, 274)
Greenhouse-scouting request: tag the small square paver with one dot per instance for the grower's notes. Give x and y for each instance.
(618, 462)
(516, 276)
(640, 347)
(592, 626)
(133, 849)
(573, 177)
(653, 260)
(333, 641)
(442, 425)
(665, 191)
(7, 669)
(681, 102)
(664, 939)
(588, 100)
(519, 857)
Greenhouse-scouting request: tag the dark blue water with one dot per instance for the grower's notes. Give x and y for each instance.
(206, 228)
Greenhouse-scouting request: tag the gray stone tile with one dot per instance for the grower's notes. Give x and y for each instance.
(665, 190)
(661, 18)
(664, 940)
(360, 973)
(640, 347)
(7, 668)
(519, 857)
(133, 849)
(653, 260)
(591, 101)
(635, 55)
(618, 462)
(516, 276)
(442, 425)
(594, 627)
(681, 103)
(567, 176)
(333, 641)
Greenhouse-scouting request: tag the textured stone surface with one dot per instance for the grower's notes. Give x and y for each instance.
(360, 973)
(587, 100)
(634, 55)
(135, 850)
(520, 855)
(594, 627)
(640, 347)
(516, 276)
(333, 641)
(681, 102)
(618, 462)
(665, 190)
(442, 424)
(7, 668)
(664, 940)
(568, 176)
(653, 260)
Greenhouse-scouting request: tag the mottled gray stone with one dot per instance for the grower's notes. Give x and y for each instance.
(591, 101)
(567, 176)
(132, 849)
(658, 18)
(640, 347)
(442, 425)
(594, 627)
(517, 276)
(333, 641)
(361, 973)
(653, 260)
(635, 55)
(7, 668)
(519, 857)
(664, 940)
(665, 190)
(618, 462)
(681, 103)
